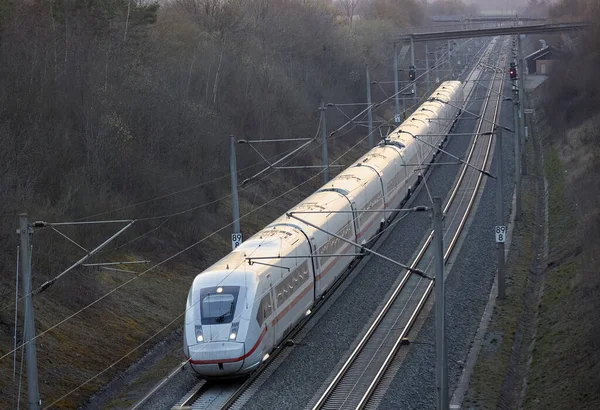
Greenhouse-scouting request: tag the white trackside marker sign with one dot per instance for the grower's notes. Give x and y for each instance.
(236, 240)
(500, 233)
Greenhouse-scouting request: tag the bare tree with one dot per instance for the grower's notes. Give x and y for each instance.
(348, 8)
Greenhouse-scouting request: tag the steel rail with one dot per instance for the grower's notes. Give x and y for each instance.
(189, 399)
(200, 388)
(447, 254)
(394, 296)
(299, 327)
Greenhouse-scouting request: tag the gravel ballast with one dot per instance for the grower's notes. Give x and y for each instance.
(311, 362)
(467, 293)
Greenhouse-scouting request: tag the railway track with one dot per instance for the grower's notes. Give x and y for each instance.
(224, 395)
(356, 384)
(207, 395)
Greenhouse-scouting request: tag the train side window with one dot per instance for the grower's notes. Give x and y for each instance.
(265, 309)
(260, 315)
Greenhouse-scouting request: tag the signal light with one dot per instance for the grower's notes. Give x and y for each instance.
(513, 71)
(412, 73)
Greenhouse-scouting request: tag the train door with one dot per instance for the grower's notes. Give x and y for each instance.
(405, 173)
(355, 225)
(272, 306)
(315, 268)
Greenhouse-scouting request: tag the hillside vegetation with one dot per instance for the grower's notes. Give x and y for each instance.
(542, 349)
(566, 361)
(118, 109)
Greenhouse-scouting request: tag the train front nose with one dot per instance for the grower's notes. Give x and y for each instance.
(217, 359)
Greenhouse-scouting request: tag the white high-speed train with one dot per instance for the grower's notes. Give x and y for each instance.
(242, 307)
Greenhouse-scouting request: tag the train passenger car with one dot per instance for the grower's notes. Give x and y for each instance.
(363, 189)
(387, 161)
(423, 132)
(241, 307)
(330, 211)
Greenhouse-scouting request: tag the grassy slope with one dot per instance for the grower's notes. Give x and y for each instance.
(566, 361)
(565, 369)
(492, 365)
(86, 345)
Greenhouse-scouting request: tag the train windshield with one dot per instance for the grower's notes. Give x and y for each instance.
(217, 304)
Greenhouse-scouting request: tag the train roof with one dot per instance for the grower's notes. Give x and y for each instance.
(350, 179)
(379, 157)
(322, 200)
(446, 90)
(272, 241)
(419, 120)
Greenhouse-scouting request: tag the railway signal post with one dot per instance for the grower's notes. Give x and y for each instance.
(236, 236)
(412, 65)
(33, 393)
(324, 153)
(396, 90)
(500, 215)
(441, 374)
(427, 66)
(370, 112)
(518, 137)
(521, 81)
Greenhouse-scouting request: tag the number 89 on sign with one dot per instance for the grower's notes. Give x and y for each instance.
(500, 234)
(236, 240)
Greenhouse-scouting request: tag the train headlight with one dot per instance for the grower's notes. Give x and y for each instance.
(234, 330)
(199, 335)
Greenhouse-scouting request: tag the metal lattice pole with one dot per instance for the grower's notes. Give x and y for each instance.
(235, 203)
(518, 138)
(440, 313)
(396, 89)
(500, 213)
(370, 112)
(33, 393)
(325, 155)
(412, 62)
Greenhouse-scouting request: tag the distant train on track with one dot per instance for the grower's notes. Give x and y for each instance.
(243, 306)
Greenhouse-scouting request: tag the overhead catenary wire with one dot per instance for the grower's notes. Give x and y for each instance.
(190, 188)
(168, 216)
(174, 256)
(116, 362)
(88, 253)
(161, 330)
(155, 266)
(89, 305)
(184, 251)
(16, 312)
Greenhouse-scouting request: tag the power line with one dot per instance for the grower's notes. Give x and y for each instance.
(168, 217)
(168, 259)
(148, 270)
(156, 266)
(184, 250)
(170, 194)
(243, 169)
(117, 362)
(159, 264)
